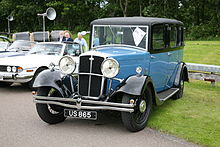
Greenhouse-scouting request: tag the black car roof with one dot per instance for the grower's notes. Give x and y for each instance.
(134, 21)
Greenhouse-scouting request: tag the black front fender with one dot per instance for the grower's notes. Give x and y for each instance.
(48, 78)
(134, 85)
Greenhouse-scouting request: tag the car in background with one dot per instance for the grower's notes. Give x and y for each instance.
(135, 62)
(4, 43)
(17, 48)
(24, 69)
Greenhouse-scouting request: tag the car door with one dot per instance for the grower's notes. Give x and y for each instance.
(173, 53)
(159, 62)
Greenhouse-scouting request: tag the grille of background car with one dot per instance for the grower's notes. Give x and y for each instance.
(3, 68)
(91, 65)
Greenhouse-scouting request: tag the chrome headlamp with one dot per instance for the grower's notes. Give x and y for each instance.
(110, 68)
(67, 65)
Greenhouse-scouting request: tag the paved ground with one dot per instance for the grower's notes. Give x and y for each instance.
(20, 126)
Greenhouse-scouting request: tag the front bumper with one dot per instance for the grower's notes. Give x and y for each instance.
(78, 103)
(16, 77)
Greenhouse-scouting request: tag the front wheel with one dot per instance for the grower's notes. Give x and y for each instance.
(137, 120)
(50, 114)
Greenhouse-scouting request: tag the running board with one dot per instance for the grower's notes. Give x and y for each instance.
(163, 96)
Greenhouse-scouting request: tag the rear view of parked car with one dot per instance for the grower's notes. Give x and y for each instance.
(135, 62)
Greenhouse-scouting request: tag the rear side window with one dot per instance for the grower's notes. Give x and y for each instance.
(158, 41)
(173, 36)
(182, 36)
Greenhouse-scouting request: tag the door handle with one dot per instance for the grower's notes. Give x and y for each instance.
(169, 53)
(152, 57)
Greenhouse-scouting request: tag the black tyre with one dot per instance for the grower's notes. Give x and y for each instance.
(137, 120)
(50, 114)
(5, 84)
(179, 94)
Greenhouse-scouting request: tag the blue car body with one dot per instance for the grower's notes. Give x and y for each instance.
(134, 62)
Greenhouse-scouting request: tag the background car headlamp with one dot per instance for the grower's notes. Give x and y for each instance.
(14, 69)
(8, 69)
(67, 65)
(110, 68)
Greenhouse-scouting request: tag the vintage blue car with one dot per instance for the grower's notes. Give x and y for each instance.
(134, 63)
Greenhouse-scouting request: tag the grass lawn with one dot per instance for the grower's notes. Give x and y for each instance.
(195, 117)
(204, 52)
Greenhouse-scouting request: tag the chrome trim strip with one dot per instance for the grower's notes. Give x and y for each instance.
(71, 83)
(86, 107)
(110, 86)
(90, 71)
(102, 86)
(17, 77)
(95, 53)
(120, 80)
(91, 97)
(170, 95)
(91, 74)
(120, 46)
(83, 101)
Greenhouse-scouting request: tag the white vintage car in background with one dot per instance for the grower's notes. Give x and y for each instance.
(24, 69)
(18, 48)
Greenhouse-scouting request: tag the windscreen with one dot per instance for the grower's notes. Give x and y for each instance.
(3, 45)
(21, 45)
(47, 49)
(120, 35)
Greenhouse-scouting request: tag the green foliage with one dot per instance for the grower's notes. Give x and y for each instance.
(201, 18)
(202, 32)
(195, 117)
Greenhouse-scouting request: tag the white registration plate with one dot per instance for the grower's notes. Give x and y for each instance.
(1, 77)
(81, 114)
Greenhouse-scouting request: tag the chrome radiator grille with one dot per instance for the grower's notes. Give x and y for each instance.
(91, 81)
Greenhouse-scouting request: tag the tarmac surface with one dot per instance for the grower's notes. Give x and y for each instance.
(20, 126)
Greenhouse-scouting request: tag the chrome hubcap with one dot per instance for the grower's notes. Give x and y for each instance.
(142, 106)
(181, 83)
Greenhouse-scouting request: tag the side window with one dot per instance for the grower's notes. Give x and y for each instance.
(173, 36)
(158, 41)
(72, 49)
(180, 38)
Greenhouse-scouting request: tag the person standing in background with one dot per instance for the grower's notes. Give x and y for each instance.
(67, 36)
(61, 38)
(81, 41)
